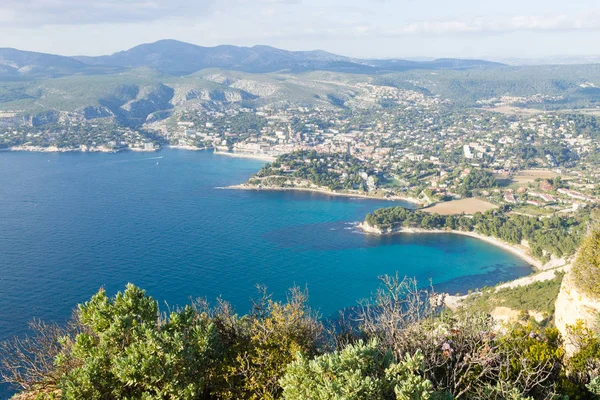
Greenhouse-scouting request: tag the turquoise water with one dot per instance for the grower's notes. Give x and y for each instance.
(71, 223)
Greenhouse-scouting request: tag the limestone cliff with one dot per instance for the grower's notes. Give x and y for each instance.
(572, 305)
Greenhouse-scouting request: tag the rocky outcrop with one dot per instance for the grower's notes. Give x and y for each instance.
(370, 228)
(92, 112)
(46, 117)
(132, 104)
(256, 88)
(196, 94)
(572, 306)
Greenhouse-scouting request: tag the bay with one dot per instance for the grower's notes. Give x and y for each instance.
(71, 223)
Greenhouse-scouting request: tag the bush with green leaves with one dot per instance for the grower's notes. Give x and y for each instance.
(586, 270)
(400, 347)
(128, 350)
(359, 371)
(266, 341)
(594, 387)
(124, 348)
(583, 367)
(503, 391)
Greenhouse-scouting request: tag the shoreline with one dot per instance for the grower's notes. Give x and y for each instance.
(327, 192)
(35, 149)
(184, 147)
(261, 157)
(514, 249)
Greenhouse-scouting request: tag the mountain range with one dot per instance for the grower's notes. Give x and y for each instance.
(178, 58)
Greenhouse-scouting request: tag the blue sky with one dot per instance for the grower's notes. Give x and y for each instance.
(367, 28)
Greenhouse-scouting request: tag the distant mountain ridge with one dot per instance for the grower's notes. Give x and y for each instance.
(15, 62)
(19, 64)
(174, 57)
(178, 58)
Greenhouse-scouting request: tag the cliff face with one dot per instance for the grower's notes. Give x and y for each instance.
(572, 306)
(367, 228)
(370, 229)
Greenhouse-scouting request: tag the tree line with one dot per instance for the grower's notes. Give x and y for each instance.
(558, 235)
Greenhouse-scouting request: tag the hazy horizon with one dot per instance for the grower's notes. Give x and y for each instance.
(556, 59)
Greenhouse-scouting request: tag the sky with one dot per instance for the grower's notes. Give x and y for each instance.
(356, 28)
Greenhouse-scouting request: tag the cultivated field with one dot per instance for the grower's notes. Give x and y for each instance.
(530, 175)
(466, 206)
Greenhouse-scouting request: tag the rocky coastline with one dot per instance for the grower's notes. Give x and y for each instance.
(322, 190)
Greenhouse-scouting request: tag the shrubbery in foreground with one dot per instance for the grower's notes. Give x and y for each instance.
(397, 346)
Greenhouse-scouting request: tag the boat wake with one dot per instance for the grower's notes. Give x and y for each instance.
(149, 158)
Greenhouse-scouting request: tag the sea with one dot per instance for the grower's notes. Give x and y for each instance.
(72, 223)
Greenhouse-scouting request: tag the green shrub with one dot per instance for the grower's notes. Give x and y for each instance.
(538, 296)
(127, 351)
(584, 365)
(586, 270)
(267, 341)
(122, 347)
(594, 387)
(359, 371)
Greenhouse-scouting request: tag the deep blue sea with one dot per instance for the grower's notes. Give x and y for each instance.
(71, 223)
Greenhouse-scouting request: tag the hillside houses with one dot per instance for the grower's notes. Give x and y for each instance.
(576, 195)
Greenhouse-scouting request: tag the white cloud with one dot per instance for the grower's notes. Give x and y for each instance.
(73, 12)
(380, 28)
(7, 15)
(501, 24)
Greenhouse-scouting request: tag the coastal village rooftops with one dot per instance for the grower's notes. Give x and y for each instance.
(509, 197)
(576, 195)
(543, 196)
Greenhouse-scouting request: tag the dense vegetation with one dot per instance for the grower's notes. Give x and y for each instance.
(73, 136)
(476, 179)
(558, 236)
(586, 270)
(334, 171)
(479, 178)
(396, 346)
(538, 297)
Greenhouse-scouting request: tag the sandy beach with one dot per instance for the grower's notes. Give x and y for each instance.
(185, 147)
(327, 192)
(544, 272)
(246, 155)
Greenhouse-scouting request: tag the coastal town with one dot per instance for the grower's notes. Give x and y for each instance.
(384, 142)
(419, 147)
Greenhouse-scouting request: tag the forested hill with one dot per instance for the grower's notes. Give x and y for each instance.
(337, 172)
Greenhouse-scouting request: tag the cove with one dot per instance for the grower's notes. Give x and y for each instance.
(71, 223)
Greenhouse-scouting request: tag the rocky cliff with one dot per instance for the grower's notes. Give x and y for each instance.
(571, 306)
